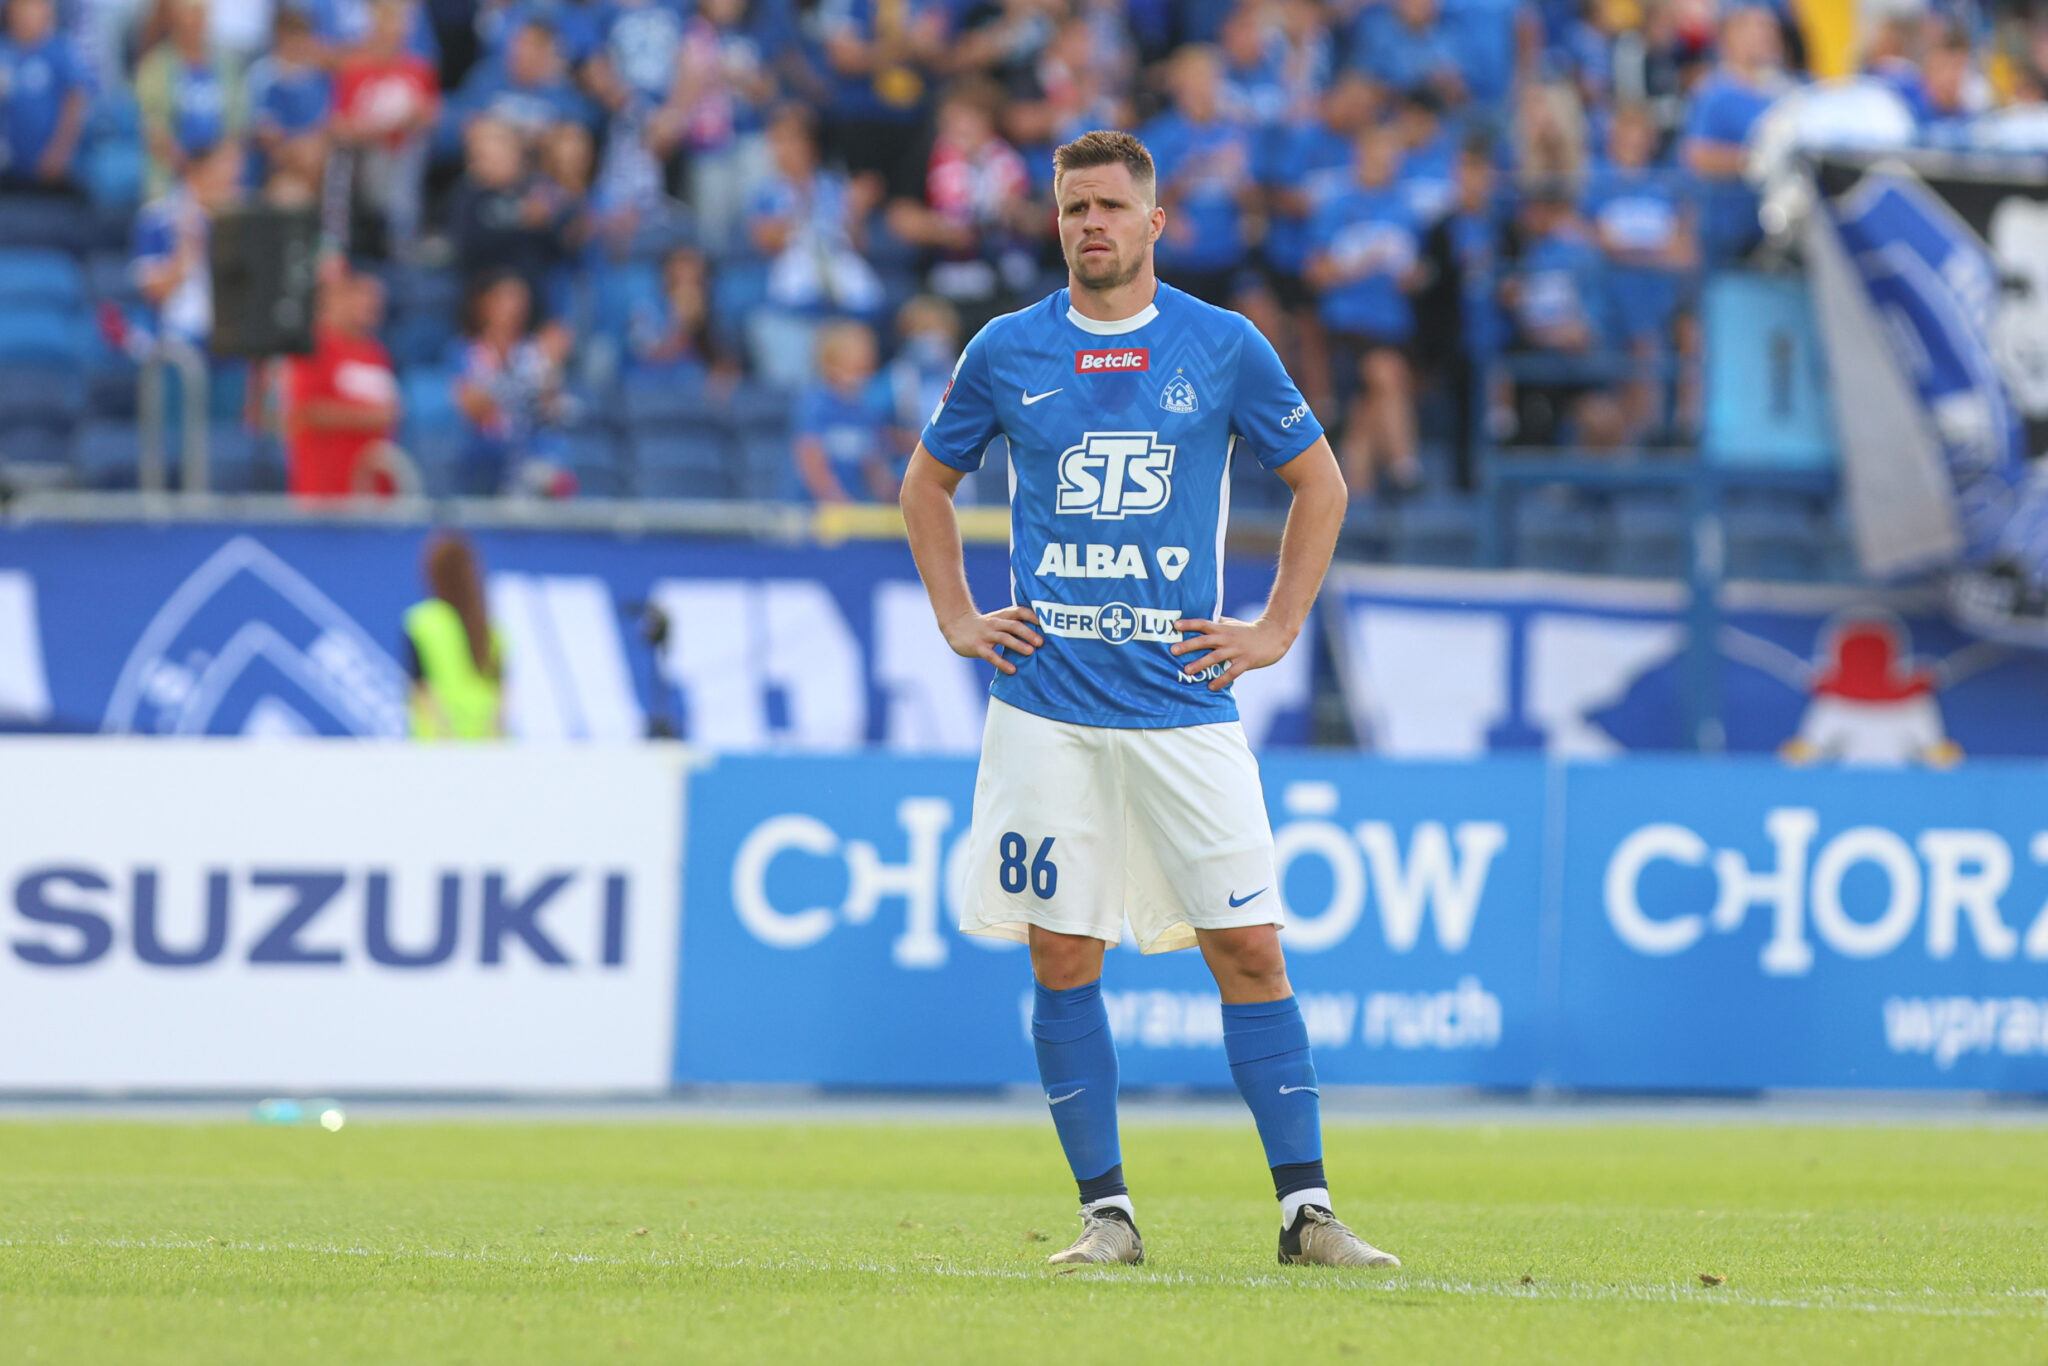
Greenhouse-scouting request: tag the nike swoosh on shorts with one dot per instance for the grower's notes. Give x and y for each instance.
(1237, 901)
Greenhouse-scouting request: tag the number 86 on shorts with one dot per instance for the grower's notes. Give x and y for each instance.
(1043, 875)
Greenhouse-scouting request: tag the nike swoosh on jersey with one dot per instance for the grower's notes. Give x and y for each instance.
(1054, 1100)
(1290, 1090)
(1237, 901)
(1030, 399)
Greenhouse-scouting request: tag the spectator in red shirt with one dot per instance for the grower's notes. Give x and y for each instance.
(386, 99)
(342, 401)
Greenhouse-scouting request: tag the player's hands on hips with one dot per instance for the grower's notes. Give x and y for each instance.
(1239, 646)
(982, 635)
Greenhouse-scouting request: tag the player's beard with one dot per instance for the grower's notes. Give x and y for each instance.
(1102, 276)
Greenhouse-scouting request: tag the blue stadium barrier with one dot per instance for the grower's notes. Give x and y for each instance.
(1641, 925)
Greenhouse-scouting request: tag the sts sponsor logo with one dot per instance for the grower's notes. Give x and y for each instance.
(1113, 475)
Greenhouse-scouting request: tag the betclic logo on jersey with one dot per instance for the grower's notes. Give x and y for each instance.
(1119, 359)
(1113, 475)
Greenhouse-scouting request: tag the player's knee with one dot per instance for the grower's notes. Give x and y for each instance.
(1061, 962)
(1246, 960)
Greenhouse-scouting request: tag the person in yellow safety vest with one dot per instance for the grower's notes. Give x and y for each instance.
(453, 655)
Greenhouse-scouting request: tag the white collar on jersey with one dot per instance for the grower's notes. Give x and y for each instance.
(1117, 327)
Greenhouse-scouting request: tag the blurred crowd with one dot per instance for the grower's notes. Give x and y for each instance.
(734, 246)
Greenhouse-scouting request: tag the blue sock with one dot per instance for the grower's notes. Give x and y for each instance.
(1267, 1045)
(1077, 1063)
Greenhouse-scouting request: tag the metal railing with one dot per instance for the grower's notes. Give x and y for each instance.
(152, 474)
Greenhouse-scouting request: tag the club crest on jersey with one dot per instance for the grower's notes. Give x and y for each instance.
(1179, 395)
(1113, 475)
(1119, 359)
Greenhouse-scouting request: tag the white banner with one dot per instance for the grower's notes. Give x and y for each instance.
(361, 915)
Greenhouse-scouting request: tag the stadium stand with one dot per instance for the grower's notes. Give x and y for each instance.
(691, 191)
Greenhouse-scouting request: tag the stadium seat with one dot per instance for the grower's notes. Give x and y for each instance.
(1650, 535)
(623, 290)
(109, 278)
(1435, 531)
(757, 407)
(43, 336)
(231, 458)
(41, 395)
(690, 463)
(113, 173)
(419, 337)
(593, 455)
(58, 224)
(684, 483)
(106, 453)
(1558, 533)
(34, 446)
(767, 466)
(1774, 542)
(652, 402)
(37, 277)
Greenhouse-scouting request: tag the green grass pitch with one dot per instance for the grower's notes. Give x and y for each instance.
(721, 1241)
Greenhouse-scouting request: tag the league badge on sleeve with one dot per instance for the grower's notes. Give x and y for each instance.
(1179, 395)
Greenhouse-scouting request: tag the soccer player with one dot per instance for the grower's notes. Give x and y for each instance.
(1115, 780)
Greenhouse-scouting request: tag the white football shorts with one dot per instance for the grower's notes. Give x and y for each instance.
(1078, 827)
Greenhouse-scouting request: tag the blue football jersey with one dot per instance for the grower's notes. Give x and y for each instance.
(1121, 437)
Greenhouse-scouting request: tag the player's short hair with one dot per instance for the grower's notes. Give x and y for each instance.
(1107, 147)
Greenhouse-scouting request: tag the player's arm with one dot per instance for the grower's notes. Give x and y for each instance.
(1306, 545)
(927, 498)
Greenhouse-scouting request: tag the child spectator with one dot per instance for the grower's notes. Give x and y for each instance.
(190, 94)
(341, 402)
(510, 395)
(502, 218)
(1554, 298)
(1725, 107)
(846, 442)
(1644, 224)
(927, 350)
(171, 266)
(289, 98)
(671, 333)
(976, 205)
(45, 94)
(386, 101)
(1362, 259)
(807, 224)
(1204, 163)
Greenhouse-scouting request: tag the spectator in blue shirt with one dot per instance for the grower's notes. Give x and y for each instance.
(1948, 100)
(526, 90)
(190, 93)
(290, 97)
(1725, 107)
(1644, 225)
(1363, 259)
(1496, 42)
(1410, 47)
(1204, 163)
(45, 93)
(879, 56)
(1555, 302)
(1428, 157)
(1254, 88)
(846, 439)
(1302, 163)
